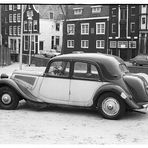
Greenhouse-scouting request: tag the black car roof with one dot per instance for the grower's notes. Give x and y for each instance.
(96, 57)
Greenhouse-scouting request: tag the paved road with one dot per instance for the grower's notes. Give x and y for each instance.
(70, 126)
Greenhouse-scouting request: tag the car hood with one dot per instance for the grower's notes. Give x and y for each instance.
(31, 73)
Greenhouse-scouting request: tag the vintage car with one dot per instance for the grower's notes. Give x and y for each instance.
(95, 81)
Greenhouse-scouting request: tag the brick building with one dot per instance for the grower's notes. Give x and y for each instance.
(86, 28)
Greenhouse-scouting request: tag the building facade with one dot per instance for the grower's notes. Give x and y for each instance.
(124, 30)
(11, 26)
(86, 28)
(51, 27)
(30, 29)
(143, 29)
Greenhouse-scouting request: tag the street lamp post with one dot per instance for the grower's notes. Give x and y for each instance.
(30, 14)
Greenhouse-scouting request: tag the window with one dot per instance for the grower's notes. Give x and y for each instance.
(14, 18)
(70, 29)
(35, 25)
(78, 11)
(14, 30)
(25, 25)
(113, 28)
(57, 26)
(6, 20)
(27, 40)
(59, 69)
(14, 7)
(85, 28)
(132, 27)
(10, 30)
(6, 32)
(100, 44)
(10, 7)
(123, 14)
(100, 28)
(143, 20)
(57, 40)
(18, 30)
(84, 70)
(18, 7)
(112, 44)
(30, 26)
(122, 44)
(132, 11)
(70, 43)
(6, 7)
(84, 43)
(10, 18)
(18, 17)
(51, 15)
(114, 12)
(96, 9)
(132, 44)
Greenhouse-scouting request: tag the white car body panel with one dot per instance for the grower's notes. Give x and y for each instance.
(58, 89)
(83, 91)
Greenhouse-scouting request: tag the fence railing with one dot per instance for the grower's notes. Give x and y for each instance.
(5, 58)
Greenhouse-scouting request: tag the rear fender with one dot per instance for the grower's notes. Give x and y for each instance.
(118, 91)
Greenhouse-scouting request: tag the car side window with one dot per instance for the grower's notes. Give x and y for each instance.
(84, 70)
(59, 69)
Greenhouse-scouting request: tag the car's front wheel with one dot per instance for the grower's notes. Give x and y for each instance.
(8, 98)
(111, 106)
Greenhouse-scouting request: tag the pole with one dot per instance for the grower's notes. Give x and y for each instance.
(21, 48)
(30, 50)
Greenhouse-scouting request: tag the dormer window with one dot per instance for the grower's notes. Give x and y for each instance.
(78, 11)
(96, 9)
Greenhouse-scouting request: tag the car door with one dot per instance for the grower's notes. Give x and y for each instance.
(56, 82)
(84, 84)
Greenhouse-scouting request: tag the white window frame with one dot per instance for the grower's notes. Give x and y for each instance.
(96, 9)
(113, 27)
(18, 30)
(18, 7)
(10, 30)
(70, 43)
(100, 30)
(78, 11)
(122, 44)
(70, 29)
(10, 18)
(19, 17)
(85, 30)
(113, 44)
(84, 43)
(25, 25)
(14, 30)
(35, 23)
(131, 26)
(10, 7)
(14, 18)
(134, 44)
(102, 42)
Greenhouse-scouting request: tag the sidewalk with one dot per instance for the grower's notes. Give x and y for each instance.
(15, 66)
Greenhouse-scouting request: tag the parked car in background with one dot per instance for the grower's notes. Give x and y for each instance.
(50, 53)
(140, 60)
(95, 81)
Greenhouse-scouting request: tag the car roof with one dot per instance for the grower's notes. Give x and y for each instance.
(96, 57)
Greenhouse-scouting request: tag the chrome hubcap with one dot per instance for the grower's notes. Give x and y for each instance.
(110, 106)
(6, 98)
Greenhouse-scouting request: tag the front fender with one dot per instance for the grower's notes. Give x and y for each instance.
(117, 90)
(19, 89)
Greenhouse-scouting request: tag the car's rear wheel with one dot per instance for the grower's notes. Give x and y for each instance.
(8, 98)
(111, 106)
